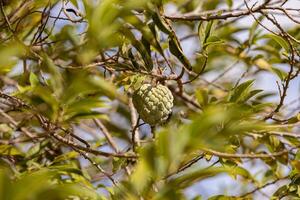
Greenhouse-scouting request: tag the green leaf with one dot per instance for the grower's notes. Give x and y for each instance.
(188, 179)
(254, 31)
(141, 176)
(136, 81)
(133, 59)
(34, 149)
(202, 97)
(155, 40)
(280, 192)
(141, 48)
(281, 41)
(205, 30)
(83, 107)
(8, 55)
(66, 157)
(105, 87)
(75, 3)
(197, 198)
(56, 80)
(251, 94)
(262, 64)
(201, 62)
(42, 94)
(160, 23)
(9, 150)
(6, 188)
(280, 73)
(223, 197)
(40, 185)
(33, 79)
(145, 54)
(212, 40)
(229, 3)
(241, 91)
(176, 50)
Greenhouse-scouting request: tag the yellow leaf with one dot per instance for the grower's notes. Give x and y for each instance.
(262, 64)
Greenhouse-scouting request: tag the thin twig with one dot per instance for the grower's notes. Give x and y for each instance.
(106, 134)
(134, 125)
(263, 186)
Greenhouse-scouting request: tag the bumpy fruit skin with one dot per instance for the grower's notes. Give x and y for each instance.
(153, 103)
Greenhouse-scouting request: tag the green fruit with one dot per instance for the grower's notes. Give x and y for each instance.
(153, 103)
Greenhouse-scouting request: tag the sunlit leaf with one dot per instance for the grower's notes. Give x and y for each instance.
(284, 44)
(8, 150)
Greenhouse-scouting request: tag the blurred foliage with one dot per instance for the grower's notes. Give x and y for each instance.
(68, 128)
(43, 184)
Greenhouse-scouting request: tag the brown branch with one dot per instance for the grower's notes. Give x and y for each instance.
(106, 134)
(5, 18)
(186, 98)
(76, 12)
(59, 18)
(288, 39)
(134, 125)
(185, 166)
(51, 130)
(263, 186)
(251, 156)
(215, 14)
(86, 156)
(21, 139)
(24, 130)
(282, 134)
(25, 5)
(199, 73)
(15, 124)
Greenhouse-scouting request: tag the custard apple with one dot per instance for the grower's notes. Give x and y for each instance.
(153, 103)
